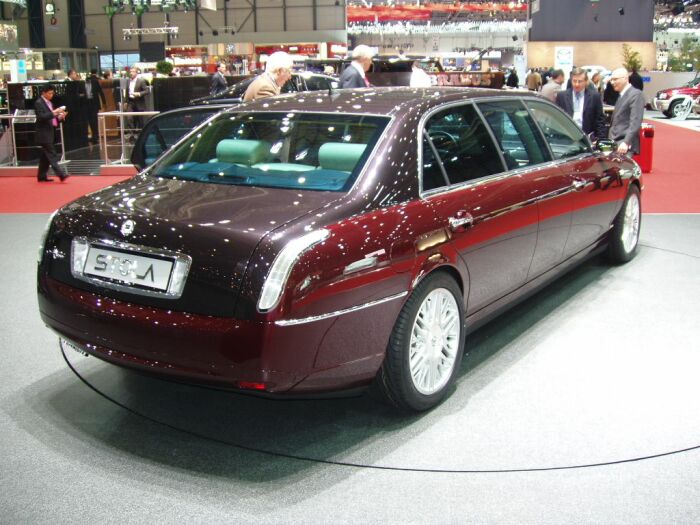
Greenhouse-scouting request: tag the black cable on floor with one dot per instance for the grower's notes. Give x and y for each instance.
(669, 251)
(357, 465)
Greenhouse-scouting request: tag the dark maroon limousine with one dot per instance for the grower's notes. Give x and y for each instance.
(322, 242)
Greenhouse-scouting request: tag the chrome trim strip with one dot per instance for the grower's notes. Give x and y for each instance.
(362, 264)
(293, 322)
(178, 274)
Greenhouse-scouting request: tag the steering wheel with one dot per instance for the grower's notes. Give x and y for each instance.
(442, 139)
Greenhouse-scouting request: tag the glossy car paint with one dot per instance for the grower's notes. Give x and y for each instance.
(332, 326)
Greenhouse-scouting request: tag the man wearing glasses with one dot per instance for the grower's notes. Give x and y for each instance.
(627, 117)
(582, 104)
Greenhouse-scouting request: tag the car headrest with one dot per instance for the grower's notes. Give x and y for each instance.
(242, 151)
(340, 156)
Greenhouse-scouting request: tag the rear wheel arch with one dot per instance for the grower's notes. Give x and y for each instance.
(426, 345)
(446, 268)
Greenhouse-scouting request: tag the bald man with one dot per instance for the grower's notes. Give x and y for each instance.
(628, 114)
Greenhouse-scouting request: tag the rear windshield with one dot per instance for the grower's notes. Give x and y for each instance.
(281, 150)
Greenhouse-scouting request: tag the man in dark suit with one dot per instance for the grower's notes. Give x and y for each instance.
(47, 118)
(628, 114)
(354, 76)
(218, 80)
(582, 104)
(95, 101)
(137, 89)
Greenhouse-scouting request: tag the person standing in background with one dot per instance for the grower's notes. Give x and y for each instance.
(47, 120)
(553, 86)
(95, 101)
(278, 70)
(595, 83)
(513, 81)
(636, 80)
(628, 114)
(136, 91)
(582, 104)
(533, 80)
(354, 76)
(419, 78)
(218, 80)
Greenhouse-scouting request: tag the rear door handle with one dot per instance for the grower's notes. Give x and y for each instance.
(463, 221)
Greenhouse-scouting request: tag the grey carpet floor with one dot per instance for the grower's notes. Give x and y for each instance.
(601, 367)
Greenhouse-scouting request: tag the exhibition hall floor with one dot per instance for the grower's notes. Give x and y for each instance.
(581, 405)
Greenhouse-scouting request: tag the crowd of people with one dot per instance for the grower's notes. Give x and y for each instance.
(582, 98)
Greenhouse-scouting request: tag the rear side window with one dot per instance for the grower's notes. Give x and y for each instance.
(564, 137)
(520, 141)
(163, 131)
(463, 145)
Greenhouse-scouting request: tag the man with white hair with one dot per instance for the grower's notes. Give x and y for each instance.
(628, 113)
(278, 69)
(354, 75)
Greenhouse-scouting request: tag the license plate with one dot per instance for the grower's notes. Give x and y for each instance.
(128, 268)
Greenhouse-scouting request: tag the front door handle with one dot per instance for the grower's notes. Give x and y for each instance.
(463, 221)
(579, 184)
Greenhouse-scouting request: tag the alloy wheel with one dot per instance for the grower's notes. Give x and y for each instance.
(630, 225)
(434, 341)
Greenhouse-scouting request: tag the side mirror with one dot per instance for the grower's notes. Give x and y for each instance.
(604, 145)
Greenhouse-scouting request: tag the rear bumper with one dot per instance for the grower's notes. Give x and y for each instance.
(310, 358)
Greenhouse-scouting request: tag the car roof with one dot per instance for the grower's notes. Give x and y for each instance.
(387, 101)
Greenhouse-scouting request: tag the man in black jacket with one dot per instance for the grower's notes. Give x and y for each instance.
(95, 100)
(218, 80)
(135, 93)
(582, 104)
(47, 118)
(636, 80)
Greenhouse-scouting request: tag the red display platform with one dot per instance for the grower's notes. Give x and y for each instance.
(27, 195)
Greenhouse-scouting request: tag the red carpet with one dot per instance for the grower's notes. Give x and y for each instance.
(26, 195)
(673, 186)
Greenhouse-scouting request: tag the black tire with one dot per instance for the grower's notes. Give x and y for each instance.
(395, 380)
(623, 243)
(671, 113)
(667, 113)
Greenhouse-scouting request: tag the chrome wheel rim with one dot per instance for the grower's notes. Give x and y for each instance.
(434, 341)
(630, 224)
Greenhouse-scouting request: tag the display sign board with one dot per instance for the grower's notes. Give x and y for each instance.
(564, 59)
(18, 70)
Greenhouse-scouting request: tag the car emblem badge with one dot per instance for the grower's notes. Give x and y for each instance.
(128, 227)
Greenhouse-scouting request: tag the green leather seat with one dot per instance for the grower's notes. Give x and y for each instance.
(340, 156)
(242, 151)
